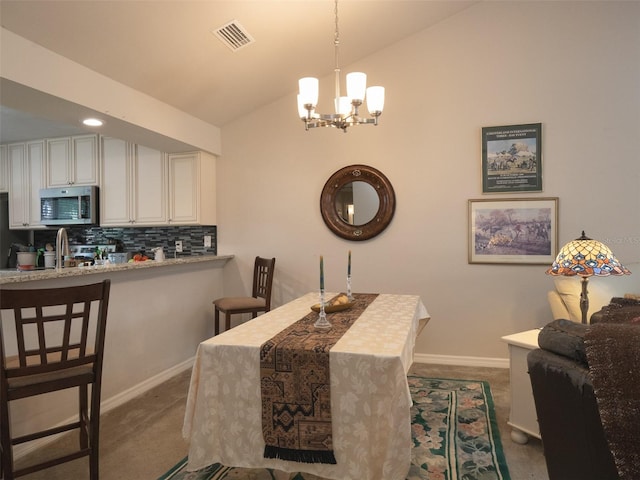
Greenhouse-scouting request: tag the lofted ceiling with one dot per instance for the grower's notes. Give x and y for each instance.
(167, 49)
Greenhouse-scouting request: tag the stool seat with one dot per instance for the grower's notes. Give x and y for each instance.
(239, 303)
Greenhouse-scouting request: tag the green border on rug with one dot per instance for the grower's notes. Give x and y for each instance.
(495, 432)
(175, 469)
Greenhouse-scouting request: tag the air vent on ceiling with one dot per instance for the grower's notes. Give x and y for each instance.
(233, 35)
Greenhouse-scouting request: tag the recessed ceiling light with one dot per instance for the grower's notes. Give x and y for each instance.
(92, 122)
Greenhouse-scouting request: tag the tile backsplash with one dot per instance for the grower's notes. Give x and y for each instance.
(139, 239)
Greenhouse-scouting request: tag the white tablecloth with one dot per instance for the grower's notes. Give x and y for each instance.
(370, 397)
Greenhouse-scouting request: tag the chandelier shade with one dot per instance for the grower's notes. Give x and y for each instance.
(309, 90)
(347, 107)
(375, 100)
(356, 85)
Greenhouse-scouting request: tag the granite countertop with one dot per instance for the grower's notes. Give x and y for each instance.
(14, 276)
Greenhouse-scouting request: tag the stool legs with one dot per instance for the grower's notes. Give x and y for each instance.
(227, 321)
(6, 454)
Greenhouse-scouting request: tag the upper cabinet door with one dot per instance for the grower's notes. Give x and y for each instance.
(26, 174)
(150, 187)
(192, 193)
(133, 191)
(4, 169)
(59, 162)
(19, 179)
(115, 196)
(86, 161)
(36, 173)
(73, 161)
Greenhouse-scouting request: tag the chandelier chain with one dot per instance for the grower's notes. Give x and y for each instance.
(336, 43)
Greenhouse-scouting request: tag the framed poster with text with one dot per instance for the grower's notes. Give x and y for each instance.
(512, 158)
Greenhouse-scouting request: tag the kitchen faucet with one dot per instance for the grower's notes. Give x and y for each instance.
(62, 242)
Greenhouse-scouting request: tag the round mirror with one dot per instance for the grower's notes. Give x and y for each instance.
(357, 202)
(361, 194)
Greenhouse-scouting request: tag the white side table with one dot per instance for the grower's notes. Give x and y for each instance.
(523, 416)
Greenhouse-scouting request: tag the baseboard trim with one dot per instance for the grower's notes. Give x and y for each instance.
(111, 403)
(461, 361)
(144, 386)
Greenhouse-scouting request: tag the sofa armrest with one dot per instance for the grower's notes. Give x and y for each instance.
(565, 338)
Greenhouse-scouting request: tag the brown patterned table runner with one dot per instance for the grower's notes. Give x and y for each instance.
(295, 386)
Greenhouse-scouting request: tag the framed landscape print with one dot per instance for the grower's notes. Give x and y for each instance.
(517, 231)
(511, 158)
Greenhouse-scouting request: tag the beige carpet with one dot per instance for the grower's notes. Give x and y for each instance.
(142, 439)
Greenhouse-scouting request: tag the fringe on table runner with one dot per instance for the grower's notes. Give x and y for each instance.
(303, 456)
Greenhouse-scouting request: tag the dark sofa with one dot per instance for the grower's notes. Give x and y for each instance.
(575, 447)
(586, 387)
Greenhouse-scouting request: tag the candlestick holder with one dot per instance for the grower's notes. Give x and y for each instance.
(322, 321)
(349, 296)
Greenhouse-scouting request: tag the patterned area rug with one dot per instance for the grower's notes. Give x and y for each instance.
(455, 437)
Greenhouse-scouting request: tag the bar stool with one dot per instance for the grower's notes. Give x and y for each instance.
(58, 344)
(259, 301)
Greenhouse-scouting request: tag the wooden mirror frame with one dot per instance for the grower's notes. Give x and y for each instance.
(386, 208)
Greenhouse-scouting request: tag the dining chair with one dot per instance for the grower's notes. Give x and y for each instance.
(259, 301)
(50, 340)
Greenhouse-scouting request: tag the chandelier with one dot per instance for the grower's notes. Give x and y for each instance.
(346, 107)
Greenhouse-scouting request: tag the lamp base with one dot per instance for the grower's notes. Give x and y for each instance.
(584, 300)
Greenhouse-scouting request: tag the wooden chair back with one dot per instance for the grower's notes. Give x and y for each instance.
(263, 279)
(52, 339)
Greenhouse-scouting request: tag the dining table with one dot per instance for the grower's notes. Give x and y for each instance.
(369, 392)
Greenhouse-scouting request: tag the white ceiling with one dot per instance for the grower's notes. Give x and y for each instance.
(167, 50)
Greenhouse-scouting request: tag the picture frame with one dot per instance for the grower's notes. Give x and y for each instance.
(512, 158)
(519, 231)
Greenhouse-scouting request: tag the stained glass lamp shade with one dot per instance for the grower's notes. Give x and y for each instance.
(585, 257)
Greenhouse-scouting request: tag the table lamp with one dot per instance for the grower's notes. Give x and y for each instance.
(586, 257)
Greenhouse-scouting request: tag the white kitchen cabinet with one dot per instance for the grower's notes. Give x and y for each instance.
(133, 186)
(26, 177)
(73, 161)
(192, 194)
(149, 186)
(4, 169)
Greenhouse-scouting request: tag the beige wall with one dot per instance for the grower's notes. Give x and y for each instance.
(574, 67)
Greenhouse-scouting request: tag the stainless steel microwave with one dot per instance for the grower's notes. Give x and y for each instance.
(69, 205)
